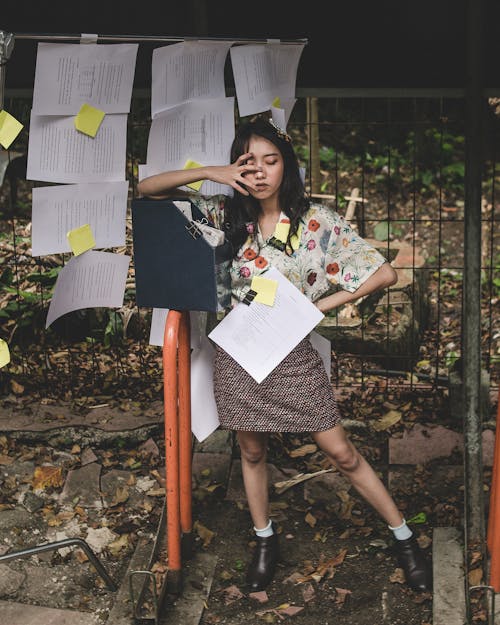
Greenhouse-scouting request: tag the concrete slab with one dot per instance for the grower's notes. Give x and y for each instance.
(22, 470)
(323, 487)
(10, 580)
(22, 614)
(198, 576)
(448, 604)
(46, 417)
(121, 612)
(83, 484)
(114, 480)
(220, 441)
(424, 443)
(213, 467)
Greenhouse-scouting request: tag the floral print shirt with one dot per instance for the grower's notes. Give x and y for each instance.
(327, 252)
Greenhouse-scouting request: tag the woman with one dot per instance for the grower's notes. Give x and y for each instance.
(270, 222)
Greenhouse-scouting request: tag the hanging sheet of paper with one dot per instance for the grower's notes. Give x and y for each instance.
(68, 74)
(200, 131)
(258, 337)
(57, 152)
(204, 415)
(91, 280)
(58, 209)
(263, 72)
(324, 348)
(190, 70)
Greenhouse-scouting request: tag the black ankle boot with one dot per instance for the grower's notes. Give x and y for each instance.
(263, 565)
(411, 560)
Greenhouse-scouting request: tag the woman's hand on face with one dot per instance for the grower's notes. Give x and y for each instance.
(234, 174)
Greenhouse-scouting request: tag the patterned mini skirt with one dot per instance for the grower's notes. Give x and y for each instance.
(297, 396)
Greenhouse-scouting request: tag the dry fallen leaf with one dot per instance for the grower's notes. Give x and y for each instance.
(204, 533)
(47, 476)
(260, 596)
(341, 595)
(424, 541)
(308, 592)
(81, 556)
(293, 578)
(398, 577)
(475, 577)
(16, 387)
(117, 545)
(281, 487)
(325, 567)
(232, 594)
(6, 459)
(121, 495)
(310, 519)
(390, 418)
(156, 492)
(291, 610)
(304, 450)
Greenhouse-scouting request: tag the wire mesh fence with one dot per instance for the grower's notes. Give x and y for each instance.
(395, 166)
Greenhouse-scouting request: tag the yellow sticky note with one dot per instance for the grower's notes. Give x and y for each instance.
(9, 129)
(281, 231)
(89, 119)
(4, 353)
(81, 239)
(189, 164)
(265, 289)
(276, 103)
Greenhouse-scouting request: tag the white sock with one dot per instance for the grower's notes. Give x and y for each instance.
(265, 531)
(402, 532)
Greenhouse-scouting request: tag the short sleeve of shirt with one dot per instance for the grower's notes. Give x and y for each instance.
(349, 259)
(212, 207)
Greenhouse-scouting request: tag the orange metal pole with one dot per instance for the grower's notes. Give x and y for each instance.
(170, 397)
(493, 532)
(185, 436)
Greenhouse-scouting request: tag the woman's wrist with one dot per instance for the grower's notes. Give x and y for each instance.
(319, 305)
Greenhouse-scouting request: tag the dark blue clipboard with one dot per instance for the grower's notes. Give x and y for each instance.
(175, 267)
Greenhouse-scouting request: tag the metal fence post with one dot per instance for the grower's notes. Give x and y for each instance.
(473, 474)
(6, 46)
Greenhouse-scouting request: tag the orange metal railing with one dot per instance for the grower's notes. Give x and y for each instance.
(178, 443)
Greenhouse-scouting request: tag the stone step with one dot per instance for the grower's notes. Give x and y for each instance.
(448, 602)
(22, 614)
(424, 443)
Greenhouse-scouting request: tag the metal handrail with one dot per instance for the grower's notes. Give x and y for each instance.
(178, 441)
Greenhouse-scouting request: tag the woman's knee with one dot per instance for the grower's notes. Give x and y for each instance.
(253, 449)
(341, 453)
(346, 459)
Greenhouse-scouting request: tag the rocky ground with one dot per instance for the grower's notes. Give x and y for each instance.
(107, 488)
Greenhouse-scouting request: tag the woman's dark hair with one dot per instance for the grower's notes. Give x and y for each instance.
(242, 209)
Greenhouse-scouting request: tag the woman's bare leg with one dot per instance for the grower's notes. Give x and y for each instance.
(253, 446)
(347, 459)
